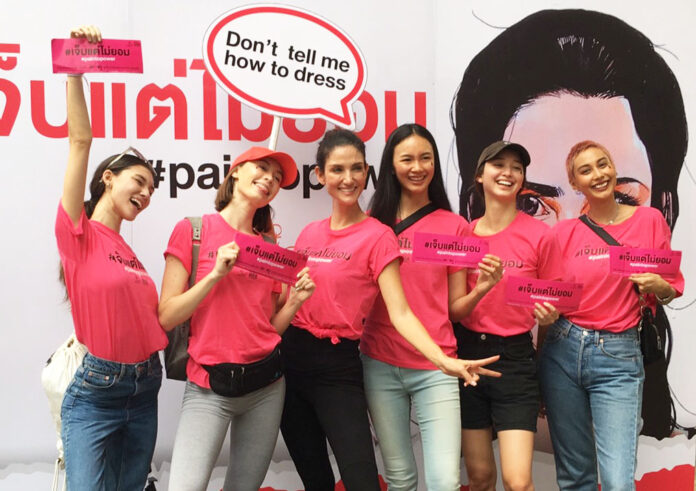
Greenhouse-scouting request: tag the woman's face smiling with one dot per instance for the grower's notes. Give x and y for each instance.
(502, 176)
(414, 164)
(258, 180)
(549, 126)
(594, 174)
(344, 174)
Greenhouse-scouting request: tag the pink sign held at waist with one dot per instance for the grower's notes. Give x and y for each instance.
(628, 260)
(269, 260)
(110, 55)
(525, 292)
(452, 250)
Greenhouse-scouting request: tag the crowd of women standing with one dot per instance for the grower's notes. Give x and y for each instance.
(364, 331)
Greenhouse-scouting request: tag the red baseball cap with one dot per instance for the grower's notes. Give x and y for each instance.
(286, 162)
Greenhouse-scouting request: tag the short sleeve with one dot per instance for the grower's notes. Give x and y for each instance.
(550, 257)
(385, 250)
(69, 237)
(181, 243)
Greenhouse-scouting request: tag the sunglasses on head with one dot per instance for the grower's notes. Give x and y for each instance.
(134, 151)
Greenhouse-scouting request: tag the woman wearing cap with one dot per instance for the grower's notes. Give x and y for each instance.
(353, 258)
(234, 326)
(507, 406)
(109, 412)
(396, 375)
(591, 367)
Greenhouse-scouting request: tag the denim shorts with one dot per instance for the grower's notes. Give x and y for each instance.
(510, 402)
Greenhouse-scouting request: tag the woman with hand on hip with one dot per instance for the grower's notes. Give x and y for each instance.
(352, 258)
(234, 374)
(591, 367)
(507, 406)
(109, 412)
(397, 376)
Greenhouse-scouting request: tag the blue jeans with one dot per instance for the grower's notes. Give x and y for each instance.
(109, 424)
(592, 384)
(390, 391)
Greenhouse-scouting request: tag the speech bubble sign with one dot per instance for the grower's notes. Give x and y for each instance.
(286, 61)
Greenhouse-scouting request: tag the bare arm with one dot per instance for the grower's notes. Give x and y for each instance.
(79, 137)
(176, 302)
(408, 325)
(301, 291)
(462, 303)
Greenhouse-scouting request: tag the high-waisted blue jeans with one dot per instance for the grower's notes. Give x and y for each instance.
(592, 384)
(109, 424)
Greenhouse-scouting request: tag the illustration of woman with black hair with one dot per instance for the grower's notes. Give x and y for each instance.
(562, 76)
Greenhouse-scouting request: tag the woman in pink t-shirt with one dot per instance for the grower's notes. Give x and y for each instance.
(234, 373)
(397, 376)
(109, 412)
(352, 258)
(507, 406)
(591, 367)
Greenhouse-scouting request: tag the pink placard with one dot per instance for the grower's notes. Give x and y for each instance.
(269, 260)
(628, 260)
(110, 55)
(563, 295)
(452, 250)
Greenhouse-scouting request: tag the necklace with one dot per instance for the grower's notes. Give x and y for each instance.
(613, 219)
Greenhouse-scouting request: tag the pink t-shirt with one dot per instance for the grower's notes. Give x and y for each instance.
(426, 290)
(527, 248)
(609, 301)
(232, 323)
(345, 265)
(113, 299)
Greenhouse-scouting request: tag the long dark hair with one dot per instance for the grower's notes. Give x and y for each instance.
(580, 52)
(97, 186)
(385, 201)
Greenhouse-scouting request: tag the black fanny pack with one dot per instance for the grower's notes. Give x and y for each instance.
(237, 379)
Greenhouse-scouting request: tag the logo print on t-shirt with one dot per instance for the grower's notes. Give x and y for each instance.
(325, 255)
(593, 253)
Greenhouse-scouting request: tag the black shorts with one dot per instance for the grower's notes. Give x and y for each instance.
(510, 402)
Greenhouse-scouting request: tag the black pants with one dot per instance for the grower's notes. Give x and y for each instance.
(325, 399)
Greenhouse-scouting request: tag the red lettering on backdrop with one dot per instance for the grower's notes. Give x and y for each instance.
(12, 102)
(118, 110)
(146, 126)
(371, 116)
(210, 128)
(38, 113)
(97, 103)
(13, 97)
(239, 131)
(390, 119)
(313, 134)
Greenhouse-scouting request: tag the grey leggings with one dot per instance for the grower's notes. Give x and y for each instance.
(205, 416)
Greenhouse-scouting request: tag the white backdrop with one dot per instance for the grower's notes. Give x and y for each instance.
(415, 52)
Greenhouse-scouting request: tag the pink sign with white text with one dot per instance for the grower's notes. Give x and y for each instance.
(269, 260)
(451, 250)
(628, 260)
(110, 55)
(525, 292)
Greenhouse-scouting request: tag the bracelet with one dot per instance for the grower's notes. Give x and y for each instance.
(667, 299)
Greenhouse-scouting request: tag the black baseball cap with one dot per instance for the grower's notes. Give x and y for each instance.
(492, 150)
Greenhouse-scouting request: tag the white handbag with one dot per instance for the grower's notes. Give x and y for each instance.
(55, 378)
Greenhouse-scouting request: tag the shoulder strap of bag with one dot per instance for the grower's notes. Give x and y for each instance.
(197, 225)
(606, 237)
(413, 218)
